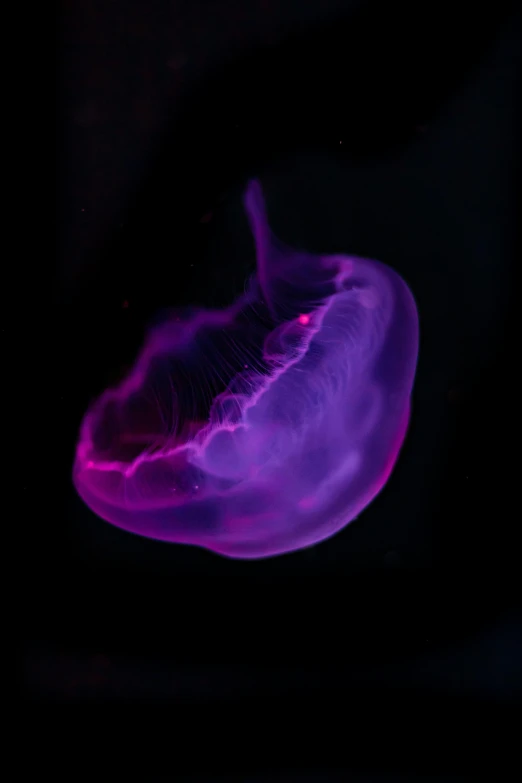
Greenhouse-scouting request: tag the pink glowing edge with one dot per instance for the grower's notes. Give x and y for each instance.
(265, 427)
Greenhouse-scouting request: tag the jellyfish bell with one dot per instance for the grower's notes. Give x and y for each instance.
(264, 427)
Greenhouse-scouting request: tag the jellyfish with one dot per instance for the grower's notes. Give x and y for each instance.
(264, 427)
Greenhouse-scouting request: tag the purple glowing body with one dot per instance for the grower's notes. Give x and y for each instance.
(265, 427)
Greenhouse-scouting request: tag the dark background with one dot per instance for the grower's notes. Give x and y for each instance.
(388, 130)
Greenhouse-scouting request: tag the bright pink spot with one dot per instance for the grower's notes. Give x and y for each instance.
(305, 425)
(307, 502)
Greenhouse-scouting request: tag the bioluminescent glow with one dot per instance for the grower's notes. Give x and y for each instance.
(265, 427)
